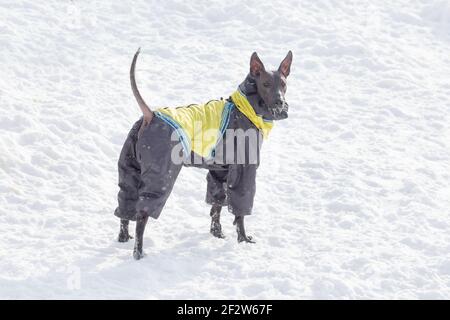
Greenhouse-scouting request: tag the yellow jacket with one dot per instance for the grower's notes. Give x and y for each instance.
(201, 126)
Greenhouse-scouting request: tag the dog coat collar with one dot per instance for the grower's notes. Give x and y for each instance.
(241, 102)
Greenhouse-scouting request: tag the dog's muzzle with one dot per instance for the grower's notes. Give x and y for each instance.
(279, 111)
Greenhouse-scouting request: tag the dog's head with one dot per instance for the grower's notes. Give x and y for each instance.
(271, 87)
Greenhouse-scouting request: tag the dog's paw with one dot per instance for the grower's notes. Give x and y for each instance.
(216, 230)
(138, 254)
(217, 233)
(124, 237)
(247, 239)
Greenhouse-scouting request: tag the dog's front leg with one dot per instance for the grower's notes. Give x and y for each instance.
(141, 222)
(216, 227)
(124, 236)
(242, 237)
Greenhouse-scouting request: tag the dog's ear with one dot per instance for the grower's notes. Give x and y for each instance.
(285, 66)
(256, 65)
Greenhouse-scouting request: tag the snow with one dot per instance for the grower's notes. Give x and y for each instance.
(353, 191)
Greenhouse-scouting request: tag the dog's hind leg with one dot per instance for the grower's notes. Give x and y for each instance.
(141, 222)
(124, 235)
(129, 182)
(216, 227)
(240, 229)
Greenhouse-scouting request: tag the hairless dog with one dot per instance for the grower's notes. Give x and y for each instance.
(148, 168)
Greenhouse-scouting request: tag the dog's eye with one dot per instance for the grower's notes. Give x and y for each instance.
(283, 84)
(266, 84)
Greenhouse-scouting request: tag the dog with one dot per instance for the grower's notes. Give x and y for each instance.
(222, 136)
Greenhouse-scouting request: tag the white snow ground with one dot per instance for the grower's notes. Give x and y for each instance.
(353, 194)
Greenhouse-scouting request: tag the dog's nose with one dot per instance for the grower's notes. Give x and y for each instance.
(283, 115)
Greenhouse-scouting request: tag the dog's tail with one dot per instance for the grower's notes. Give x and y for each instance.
(148, 114)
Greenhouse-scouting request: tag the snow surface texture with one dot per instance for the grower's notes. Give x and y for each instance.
(353, 194)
